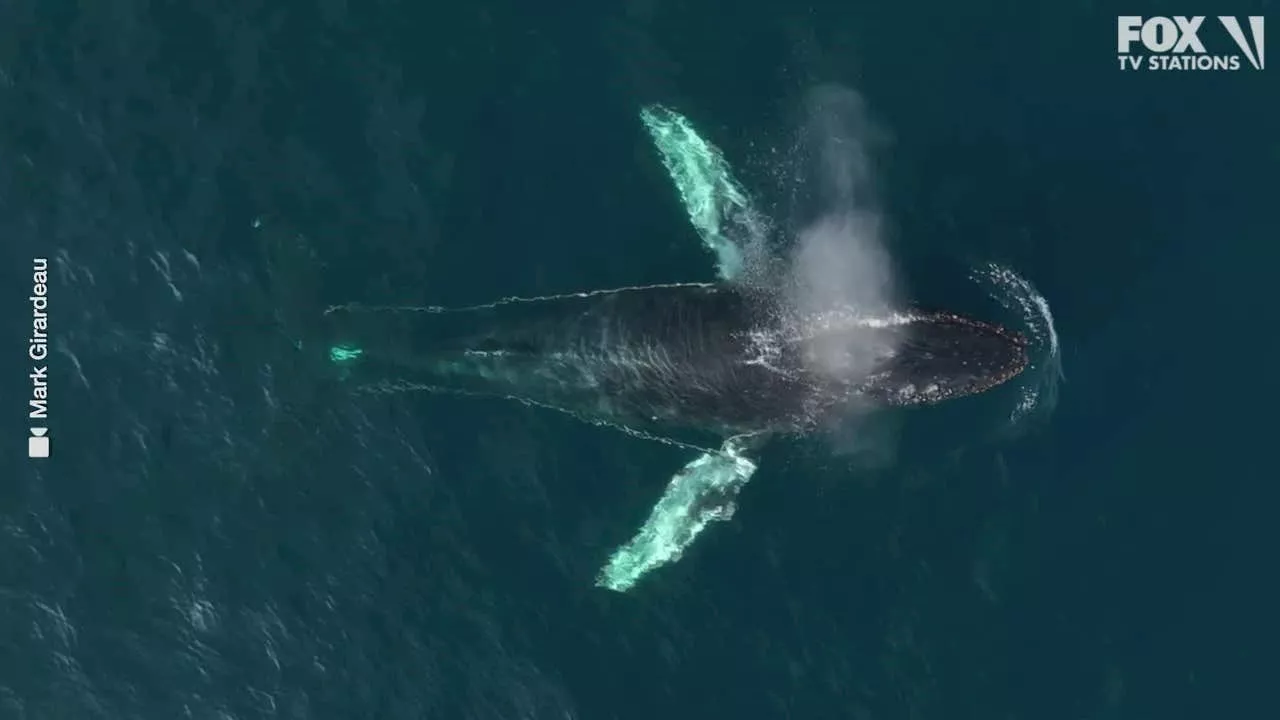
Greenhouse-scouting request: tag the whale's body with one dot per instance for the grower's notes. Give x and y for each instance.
(707, 358)
(716, 368)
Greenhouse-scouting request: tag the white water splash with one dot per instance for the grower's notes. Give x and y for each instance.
(1039, 388)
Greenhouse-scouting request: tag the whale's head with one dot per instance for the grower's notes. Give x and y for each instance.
(940, 356)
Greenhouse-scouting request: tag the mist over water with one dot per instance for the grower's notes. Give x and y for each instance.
(834, 149)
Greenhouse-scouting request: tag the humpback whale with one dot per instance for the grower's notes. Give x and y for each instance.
(716, 367)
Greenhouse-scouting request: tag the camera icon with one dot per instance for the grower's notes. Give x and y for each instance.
(38, 443)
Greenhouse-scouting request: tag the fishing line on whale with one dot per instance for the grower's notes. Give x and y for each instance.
(509, 300)
(391, 387)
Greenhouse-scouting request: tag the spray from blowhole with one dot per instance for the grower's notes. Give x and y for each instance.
(839, 272)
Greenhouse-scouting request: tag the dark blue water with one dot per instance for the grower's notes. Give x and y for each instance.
(224, 532)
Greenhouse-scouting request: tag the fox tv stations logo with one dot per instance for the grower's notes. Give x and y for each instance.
(1174, 43)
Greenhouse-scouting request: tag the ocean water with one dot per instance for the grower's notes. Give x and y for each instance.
(221, 531)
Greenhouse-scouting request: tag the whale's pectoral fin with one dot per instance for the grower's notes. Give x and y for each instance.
(720, 209)
(703, 491)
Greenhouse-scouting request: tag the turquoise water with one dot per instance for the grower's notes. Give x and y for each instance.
(223, 532)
